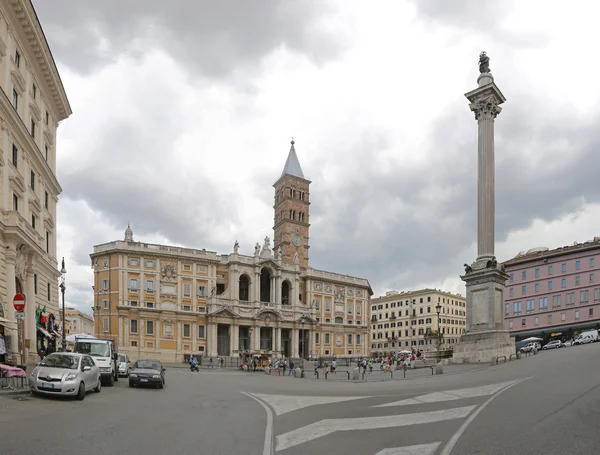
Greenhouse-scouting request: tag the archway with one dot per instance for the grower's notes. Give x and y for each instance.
(265, 285)
(244, 288)
(285, 293)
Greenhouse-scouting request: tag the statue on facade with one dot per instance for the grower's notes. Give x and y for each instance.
(296, 259)
(280, 254)
(484, 63)
(267, 244)
(257, 249)
(236, 247)
(468, 269)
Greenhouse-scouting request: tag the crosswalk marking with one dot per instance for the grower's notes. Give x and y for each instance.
(324, 427)
(287, 403)
(421, 449)
(450, 395)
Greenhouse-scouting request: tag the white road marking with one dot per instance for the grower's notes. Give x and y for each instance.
(421, 449)
(268, 447)
(454, 439)
(287, 403)
(324, 427)
(450, 395)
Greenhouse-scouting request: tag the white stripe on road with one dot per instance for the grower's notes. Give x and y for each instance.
(324, 427)
(421, 449)
(454, 439)
(450, 395)
(268, 447)
(287, 403)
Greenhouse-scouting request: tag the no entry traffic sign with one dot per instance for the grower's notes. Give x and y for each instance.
(19, 302)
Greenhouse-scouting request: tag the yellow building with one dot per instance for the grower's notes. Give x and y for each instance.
(32, 103)
(78, 322)
(406, 320)
(164, 302)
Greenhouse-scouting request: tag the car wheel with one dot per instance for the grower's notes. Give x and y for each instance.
(81, 392)
(98, 387)
(111, 381)
(161, 385)
(130, 384)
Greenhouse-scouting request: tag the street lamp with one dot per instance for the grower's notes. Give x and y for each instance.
(63, 287)
(438, 309)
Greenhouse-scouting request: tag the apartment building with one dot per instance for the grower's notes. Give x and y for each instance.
(553, 293)
(406, 320)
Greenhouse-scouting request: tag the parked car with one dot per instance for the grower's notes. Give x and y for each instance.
(530, 347)
(66, 374)
(124, 365)
(554, 344)
(147, 372)
(591, 336)
(568, 343)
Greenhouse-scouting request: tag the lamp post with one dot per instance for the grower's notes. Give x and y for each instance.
(63, 287)
(438, 309)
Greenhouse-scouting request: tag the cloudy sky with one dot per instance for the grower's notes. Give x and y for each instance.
(183, 112)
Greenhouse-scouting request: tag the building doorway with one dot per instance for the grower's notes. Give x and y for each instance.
(223, 347)
(244, 339)
(266, 339)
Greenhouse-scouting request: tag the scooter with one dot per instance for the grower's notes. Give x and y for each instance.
(194, 367)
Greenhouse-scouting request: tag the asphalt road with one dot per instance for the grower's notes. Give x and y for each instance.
(549, 403)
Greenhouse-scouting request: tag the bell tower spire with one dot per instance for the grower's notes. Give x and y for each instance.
(291, 206)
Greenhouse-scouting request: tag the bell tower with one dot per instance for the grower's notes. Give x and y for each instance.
(291, 205)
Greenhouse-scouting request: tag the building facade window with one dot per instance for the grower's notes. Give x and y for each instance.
(186, 330)
(201, 331)
(549, 270)
(133, 326)
(537, 272)
(577, 265)
(105, 324)
(150, 327)
(564, 267)
(549, 285)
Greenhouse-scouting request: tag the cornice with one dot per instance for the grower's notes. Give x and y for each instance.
(34, 35)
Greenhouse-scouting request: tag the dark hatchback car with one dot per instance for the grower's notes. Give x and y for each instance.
(147, 372)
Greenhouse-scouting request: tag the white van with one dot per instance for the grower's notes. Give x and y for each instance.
(590, 336)
(104, 354)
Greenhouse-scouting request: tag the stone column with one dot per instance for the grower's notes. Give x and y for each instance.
(236, 339)
(295, 341)
(255, 288)
(485, 103)
(9, 310)
(313, 341)
(278, 289)
(121, 340)
(30, 322)
(232, 340)
(486, 337)
(278, 339)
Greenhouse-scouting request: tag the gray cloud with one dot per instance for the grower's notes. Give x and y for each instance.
(213, 38)
(410, 225)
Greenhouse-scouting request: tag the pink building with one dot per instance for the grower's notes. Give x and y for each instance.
(553, 293)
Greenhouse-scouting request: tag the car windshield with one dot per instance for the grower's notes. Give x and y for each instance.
(122, 358)
(93, 349)
(147, 365)
(61, 361)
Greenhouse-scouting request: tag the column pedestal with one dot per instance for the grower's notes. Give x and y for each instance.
(486, 336)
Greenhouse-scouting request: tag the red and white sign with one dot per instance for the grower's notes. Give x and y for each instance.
(19, 302)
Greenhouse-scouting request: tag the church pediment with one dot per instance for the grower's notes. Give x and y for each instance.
(308, 319)
(226, 311)
(269, 313)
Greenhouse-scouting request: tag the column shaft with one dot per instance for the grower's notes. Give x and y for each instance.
(30, 323)
(485, 187)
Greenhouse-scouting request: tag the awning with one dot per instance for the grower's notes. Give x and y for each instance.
(8, 323)
(45, 332)
(57, 334)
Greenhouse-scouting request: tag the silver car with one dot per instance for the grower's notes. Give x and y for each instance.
(66, 374)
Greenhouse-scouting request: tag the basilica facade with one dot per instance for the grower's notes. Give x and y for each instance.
(167, 302)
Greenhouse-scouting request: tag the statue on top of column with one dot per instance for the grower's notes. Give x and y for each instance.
(484, 63)
(257, 249)
(267, 244)
(236, 247)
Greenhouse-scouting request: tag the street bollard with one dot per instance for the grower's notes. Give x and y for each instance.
(439, 369)
(519, 355)
(299, 373)
(355, 374)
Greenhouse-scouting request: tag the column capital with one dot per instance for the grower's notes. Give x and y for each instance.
(486, 107)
